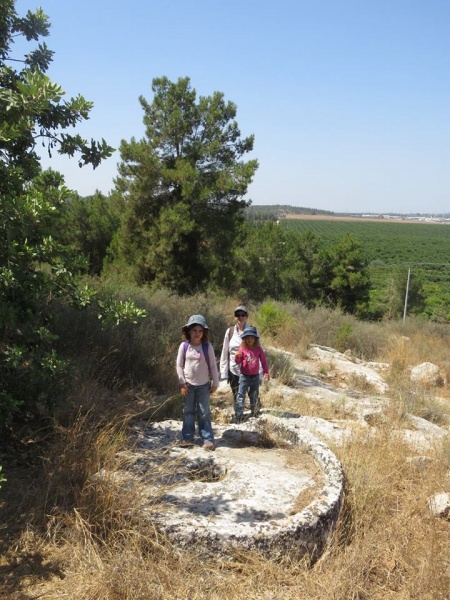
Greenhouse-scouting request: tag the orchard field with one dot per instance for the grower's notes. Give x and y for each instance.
(391, 248)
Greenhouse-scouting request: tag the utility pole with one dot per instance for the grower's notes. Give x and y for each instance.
(406, 295)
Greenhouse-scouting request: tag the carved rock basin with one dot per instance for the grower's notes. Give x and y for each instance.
(270, 485)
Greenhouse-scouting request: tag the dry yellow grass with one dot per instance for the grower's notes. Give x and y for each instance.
(386, 545)
(86, 539)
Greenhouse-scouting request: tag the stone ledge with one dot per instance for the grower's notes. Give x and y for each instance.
(250, 503)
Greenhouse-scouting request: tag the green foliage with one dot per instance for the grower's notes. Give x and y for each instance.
(2, 478)
(182, 187)
(114, 312)
(389, 246)
(36, 267)
(274, 262)
(346, 278)
(391, 300)
(384, 242)
(344, 335)
(125, 355)
(270, 318)
(88, 225)
(32, 107)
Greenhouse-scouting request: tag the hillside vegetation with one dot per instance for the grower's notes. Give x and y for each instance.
(66, 533)
(392, 248)
(93, 294)
(256, 212)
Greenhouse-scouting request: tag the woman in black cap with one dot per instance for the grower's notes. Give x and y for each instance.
(229, 370)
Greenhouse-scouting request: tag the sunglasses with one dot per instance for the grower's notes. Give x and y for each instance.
(240, 314)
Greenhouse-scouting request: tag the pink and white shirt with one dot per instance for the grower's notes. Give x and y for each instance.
(193, 368)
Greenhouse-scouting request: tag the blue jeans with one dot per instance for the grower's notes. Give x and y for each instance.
(197, 402)
(248, 383)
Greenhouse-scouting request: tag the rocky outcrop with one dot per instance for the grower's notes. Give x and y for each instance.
(247, 495)
(251, 493)
(427, 374)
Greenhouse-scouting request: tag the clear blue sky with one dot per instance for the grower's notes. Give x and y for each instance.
(349, 100)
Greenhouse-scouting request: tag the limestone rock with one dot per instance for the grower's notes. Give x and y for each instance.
(342, 364)
(427, 374)
(439, 504)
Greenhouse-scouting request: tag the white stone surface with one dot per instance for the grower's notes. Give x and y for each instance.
(427, 374)
(439, 504)
(258, 487)
(244, 495)
(337, 361)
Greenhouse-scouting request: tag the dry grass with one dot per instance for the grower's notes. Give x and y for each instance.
(281, 367)
(412, 398)
(303, 405)
(386, 546)
(360, 383)
(74, 534)
(404, 352)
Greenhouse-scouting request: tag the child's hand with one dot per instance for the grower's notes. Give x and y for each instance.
(267, 377)
(213, 389)
(184, 389)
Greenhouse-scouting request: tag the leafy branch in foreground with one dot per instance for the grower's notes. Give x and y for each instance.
(36, 267)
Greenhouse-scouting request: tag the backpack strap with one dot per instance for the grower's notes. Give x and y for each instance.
(185, 347)
(205, 349)
(230, 333)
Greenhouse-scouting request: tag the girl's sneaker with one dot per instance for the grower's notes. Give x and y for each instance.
(207, 445)
(185, 443)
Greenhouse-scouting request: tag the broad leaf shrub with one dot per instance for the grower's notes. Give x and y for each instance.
(36, 266)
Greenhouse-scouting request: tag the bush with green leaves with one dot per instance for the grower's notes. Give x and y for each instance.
(35, 266)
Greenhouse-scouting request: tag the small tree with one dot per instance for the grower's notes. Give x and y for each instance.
(393, 300)
(183, 185)
(346, 280)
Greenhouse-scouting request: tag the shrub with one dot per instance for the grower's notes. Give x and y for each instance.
(344, 335)
(270, 318)
(281, 366)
